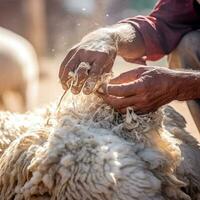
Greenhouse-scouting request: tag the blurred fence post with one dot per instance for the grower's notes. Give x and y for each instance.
(35, 24)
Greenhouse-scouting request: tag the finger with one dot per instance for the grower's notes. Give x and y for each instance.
(152, 104)
(65, 61)
(129, 76)
(70, 68)
(64, 86)
(108, 66)
(108, 74)
(125, 90)
(67, 85)
(123, 78)
(91, 82)
(82, 75)
(120, 103)
(97, 69)
(76, 88)
(144, 108)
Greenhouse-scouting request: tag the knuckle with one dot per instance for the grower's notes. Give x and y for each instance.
(145, 98)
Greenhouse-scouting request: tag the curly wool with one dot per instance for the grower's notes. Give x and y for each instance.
(89, 151)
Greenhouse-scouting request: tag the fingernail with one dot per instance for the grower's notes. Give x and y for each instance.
(75, 90)
(64, 87)
(100, 90)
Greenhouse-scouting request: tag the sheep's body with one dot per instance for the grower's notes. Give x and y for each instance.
(18, 68)
(96, 154)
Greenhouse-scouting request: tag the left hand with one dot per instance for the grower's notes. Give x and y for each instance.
(144, 88)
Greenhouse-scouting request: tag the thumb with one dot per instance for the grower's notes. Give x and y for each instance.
(129, 76)
(123, 90)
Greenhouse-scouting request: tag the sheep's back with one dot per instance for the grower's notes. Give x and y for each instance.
(78, 160)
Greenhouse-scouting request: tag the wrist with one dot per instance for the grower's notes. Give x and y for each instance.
(129, 41)
(101, 40)
(118, 34)
(121, 38)
(123, 33)
(188, 85)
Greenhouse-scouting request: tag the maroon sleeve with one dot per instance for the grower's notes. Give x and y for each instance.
(164, 27)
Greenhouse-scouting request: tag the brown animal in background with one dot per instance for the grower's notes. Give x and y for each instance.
(18, 70)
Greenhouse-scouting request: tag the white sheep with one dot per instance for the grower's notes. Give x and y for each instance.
(18, 69)
(86, 151)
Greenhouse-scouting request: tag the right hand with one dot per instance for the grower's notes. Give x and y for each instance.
(145, 89)
(97, 49)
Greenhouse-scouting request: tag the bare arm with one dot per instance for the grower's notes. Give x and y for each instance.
(147, 88)
(188, 85)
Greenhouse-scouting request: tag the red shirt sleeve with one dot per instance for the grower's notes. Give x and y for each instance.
(164, 27)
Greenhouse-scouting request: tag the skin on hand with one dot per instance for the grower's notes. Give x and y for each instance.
(98, 49)
(144, 88)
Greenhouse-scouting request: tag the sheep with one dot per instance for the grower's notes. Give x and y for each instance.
(18, 69)
(86, 150)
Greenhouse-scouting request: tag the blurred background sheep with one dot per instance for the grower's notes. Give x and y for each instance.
(18, 72)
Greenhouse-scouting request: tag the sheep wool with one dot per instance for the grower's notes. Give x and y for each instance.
(87, 151)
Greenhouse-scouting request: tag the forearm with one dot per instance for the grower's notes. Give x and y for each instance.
(129, 41)
(188, 85)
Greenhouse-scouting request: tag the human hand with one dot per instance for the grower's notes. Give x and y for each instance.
(98, 50)
(144, 88)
